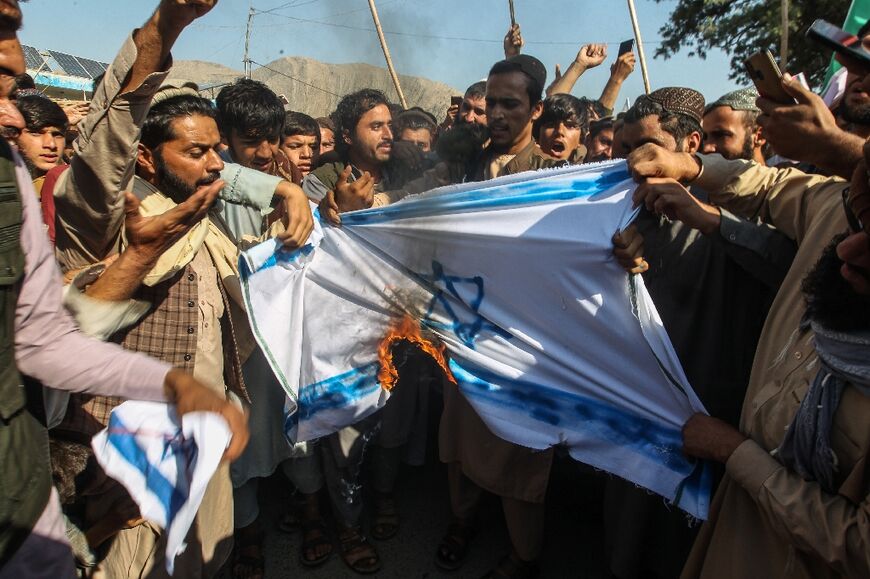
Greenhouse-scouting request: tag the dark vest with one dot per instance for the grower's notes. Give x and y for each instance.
(168, 333)
(25, 480)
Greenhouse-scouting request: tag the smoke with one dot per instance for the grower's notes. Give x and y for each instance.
(411, 51)
(414, 50)
(350, 37)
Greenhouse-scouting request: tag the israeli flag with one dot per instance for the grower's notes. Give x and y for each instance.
(544, 333)
(164, 465)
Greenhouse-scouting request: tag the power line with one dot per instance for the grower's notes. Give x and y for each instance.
(336, 15)
(227, 45)
(366, 29)
(197, 26)
(296, 79)
(292, 4)
(433, 36)
(276, 8)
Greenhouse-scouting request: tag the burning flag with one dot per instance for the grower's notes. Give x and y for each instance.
(410, 331)
(511, 286)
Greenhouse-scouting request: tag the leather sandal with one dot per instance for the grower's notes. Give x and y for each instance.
(512, 567)
(386, 521)
(357, 553)
(248, 560)
(454, 546)
(314, 535)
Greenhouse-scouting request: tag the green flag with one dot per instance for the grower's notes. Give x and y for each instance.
(858, 14)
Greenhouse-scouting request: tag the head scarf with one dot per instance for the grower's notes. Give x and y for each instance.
(806, 448)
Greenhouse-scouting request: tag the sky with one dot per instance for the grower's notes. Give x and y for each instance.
(452, 41)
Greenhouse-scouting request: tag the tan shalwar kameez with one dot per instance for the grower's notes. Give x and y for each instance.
(765, 521)
(90, 201)
(476, 458)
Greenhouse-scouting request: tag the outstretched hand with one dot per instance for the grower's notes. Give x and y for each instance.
(623, 66)
(591, 55)
(357, 194)
(183, 12)
(151, 236)
(75, 112)
(513, 41)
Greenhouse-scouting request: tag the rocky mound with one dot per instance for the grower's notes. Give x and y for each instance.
(315, 87)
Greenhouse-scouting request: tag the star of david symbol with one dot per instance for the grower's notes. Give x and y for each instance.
(468, 324)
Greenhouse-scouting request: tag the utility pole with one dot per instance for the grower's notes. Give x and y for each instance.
(639, 43)
(387, 54)
(246, 60)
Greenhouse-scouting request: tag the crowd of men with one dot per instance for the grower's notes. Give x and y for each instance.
(121, 222)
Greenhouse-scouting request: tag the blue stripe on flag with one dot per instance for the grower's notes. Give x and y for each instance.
(565, 410)
(522, 193)
(124, 441)
(575, 412)
(555, 407)
(619, 427)
(282, 256)
(338, 391)
(342, 391)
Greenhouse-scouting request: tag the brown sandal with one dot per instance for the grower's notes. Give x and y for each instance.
(248, 560)
(314, 535)
(512, 567)
(386, 520)
(454, 546)
(357, 553)
(289, 523)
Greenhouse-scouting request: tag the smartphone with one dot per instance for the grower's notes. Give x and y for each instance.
(455, 101)
(766, 76)
(625, 46)
(838, 40)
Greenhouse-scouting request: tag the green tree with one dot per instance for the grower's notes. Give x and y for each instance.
(741, 27)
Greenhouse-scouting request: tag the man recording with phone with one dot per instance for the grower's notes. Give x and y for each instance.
(794, 500)
(807, 129)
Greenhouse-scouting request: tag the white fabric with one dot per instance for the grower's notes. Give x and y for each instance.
(165, 466)
(836, 88)
(100, 318)
(548, 338)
